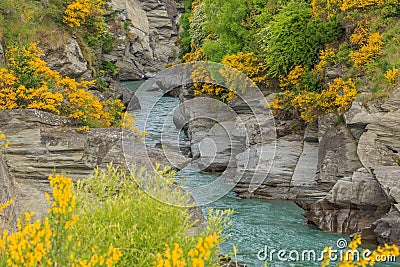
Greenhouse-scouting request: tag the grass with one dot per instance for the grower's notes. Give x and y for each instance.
(23, 22)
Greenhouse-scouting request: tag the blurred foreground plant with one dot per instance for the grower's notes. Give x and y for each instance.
(50, 242)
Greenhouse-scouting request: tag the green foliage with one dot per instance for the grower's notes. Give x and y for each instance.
(185, 38)
(342, 54)
(109, 67)
(229, 22)
(196, 30)
(214, 50)
(23, 22)
(115, 210)
(293, 38)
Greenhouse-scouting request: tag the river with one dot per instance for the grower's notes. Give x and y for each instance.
(258, 226)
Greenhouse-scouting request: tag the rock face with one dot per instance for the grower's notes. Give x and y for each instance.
(337, 156)
(146, 44)
(1, 54)
(363, 200)
(7, 189)
(352, 205)
(42, 142)
(68, 60)
(344, 175)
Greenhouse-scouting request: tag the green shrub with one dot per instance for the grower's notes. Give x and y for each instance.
(293, 38)
(114, 209)
(109, 67)
(185, 38)
(229, 22)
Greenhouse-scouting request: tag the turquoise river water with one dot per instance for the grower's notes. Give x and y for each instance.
(258, 226)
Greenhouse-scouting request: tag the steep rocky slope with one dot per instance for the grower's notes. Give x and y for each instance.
(146, 44)
(343, 174)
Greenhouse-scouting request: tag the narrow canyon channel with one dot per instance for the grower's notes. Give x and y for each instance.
(260, 228)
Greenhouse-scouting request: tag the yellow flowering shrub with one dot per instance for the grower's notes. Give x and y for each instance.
(371, 45)
(392, 75)
(360, 34)
(371, 257)
(27, 83)
(246, 63)
(328, 8)
(337, 97)
(325, 56)
(203, 255)
(48, 242)
(194, 55)
(78, 12)
(294, 78)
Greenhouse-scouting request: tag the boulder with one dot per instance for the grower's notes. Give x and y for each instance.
(266, 170)
(388, 178)
(385, 230)
(393, 102)
(128, 97)
(357, 118)
(387, 128)
(372, 152)
(219, 147)
(68, 60)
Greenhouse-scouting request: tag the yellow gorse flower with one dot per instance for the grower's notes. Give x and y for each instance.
(3, 142)
(368, 51)
(328, 8)
(246, 63)
(199, 256)
(78, 11)
(337, 97)
(64, 201)
(27, 83)
(392, 75)
(7, 204)
(45, 242)
(348, 259)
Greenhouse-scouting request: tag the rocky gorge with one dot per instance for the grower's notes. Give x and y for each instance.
(341, 171)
